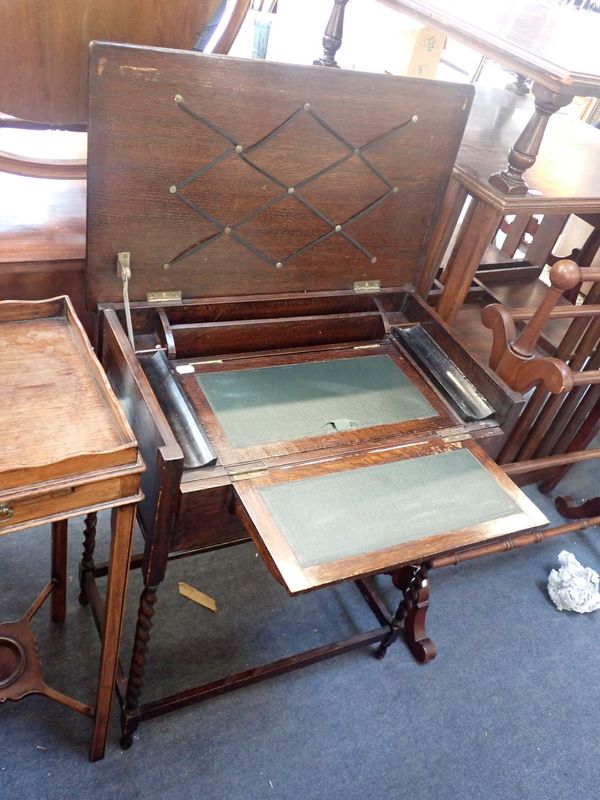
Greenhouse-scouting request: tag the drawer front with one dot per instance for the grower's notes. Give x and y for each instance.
(64, 501)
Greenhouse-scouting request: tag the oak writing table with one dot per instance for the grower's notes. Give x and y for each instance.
(255, 234)
(67, 449)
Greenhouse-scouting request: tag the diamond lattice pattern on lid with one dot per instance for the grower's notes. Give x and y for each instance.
(282, 195)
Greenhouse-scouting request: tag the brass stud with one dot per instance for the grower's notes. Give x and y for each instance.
(415, 118)
(166, 267)
(395, 190)
(227, 229)
(374, 260)
(291, 190)
(357, 151)
(278, 265)
(178, 98)
(239, 148)
(338, 228)
(173, 189)
(307, 106)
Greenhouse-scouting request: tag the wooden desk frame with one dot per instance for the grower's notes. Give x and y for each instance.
(224, 487)
(290, 216)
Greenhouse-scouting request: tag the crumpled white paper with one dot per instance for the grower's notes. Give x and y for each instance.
(574, 587)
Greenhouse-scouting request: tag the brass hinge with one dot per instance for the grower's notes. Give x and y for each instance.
(163, 297)
(367, 286)
(456, 437)
(253, 469)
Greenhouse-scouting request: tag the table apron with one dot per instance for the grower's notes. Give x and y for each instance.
(70, 501)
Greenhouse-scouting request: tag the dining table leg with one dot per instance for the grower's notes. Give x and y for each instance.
(524, 152)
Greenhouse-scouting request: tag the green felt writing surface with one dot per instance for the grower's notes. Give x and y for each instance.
(344, 514)
(295, 401)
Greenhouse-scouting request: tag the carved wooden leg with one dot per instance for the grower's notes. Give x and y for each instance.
(524, 152)
(332, 38)
(130, 716)
(59, 571)
(416, 603)
(566, 506)
(413, 582)
(395, 631)
(87, 557)
(118, 572)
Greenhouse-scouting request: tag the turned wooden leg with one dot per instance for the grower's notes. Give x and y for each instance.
(118, 572)
(130, 717)
(332, 39)
(413, 582)
(524, 152)
(59, 571)
(87, 557)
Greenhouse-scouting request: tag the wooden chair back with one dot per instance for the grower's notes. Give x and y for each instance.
(44, 53)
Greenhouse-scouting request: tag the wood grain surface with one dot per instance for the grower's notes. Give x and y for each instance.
(44, 55)
(58, 409)
(150, 158)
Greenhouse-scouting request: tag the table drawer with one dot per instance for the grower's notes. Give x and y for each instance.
(64, 500)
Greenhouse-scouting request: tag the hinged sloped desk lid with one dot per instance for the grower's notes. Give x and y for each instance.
(332, 519)
(230, 177)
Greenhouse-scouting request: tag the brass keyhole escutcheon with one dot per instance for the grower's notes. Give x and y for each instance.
(6, 512)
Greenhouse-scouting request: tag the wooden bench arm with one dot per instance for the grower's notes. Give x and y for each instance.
(514, 357)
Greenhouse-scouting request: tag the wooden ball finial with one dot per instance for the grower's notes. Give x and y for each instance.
(565, 274)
